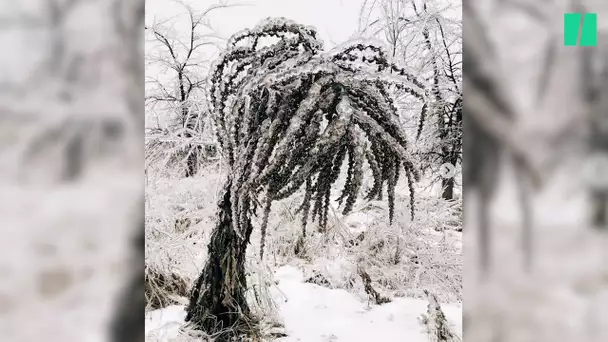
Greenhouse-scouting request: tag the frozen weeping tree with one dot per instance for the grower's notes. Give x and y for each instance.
(288, 116)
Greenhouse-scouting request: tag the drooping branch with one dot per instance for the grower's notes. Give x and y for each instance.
(287, 113)
(288, 116)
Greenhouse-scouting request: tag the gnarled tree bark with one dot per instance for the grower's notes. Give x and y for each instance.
(217, 300)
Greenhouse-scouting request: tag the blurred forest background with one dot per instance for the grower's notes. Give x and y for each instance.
(531, 169)
(71, 132)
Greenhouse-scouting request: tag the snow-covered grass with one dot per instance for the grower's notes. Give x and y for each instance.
(326, 294)
(312, 313)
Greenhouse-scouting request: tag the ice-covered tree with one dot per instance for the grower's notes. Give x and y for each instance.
(288, 115)
(427, 35)
(178, 85)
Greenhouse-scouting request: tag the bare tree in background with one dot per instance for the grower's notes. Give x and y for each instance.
(592, 94)
(420, 36)
(446, 109)
(181, 90)
(490, 114)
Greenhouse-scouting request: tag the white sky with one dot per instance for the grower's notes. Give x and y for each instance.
(335, 20)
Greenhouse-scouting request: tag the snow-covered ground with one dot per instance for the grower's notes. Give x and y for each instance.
(337, 309)
(312, 313)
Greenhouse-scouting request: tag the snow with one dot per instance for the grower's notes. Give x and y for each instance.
(165, 323)
(312, 313)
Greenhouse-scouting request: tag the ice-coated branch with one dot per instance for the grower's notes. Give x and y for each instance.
(288, 115)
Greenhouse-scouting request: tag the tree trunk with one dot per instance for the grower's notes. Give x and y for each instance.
(217, 300)
(193, 151)
(127, 325)
(192, 161)
(447, 185)
(600, 209)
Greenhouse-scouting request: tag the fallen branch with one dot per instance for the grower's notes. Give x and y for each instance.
(436, 324)
(369, 289)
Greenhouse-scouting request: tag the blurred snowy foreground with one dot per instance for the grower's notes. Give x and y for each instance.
(313, 313)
